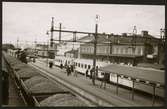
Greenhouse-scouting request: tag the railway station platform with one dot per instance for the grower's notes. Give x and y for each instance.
(103, 97)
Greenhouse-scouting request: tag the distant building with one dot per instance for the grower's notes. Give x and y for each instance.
(44, 50)
(68, 46)
(125, 49)
(71, 54)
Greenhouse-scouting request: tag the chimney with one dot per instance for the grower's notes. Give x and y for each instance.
(144, 33)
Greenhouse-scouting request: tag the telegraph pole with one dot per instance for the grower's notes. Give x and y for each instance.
(134, 38)
(59, 32)
(35, 42)
(17, 42)
(95, 45)
(52, 28)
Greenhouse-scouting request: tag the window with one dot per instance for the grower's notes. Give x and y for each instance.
(121, 50)
(85, 66)
(126, 50)
(81, 65)
(78, 64)
(139, 51)
(88, 66)
(117, 50)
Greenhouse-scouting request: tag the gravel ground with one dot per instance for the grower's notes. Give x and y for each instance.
(62, 100)
(34, 80)
(45, 87)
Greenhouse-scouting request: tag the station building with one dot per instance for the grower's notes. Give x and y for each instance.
(125, 49)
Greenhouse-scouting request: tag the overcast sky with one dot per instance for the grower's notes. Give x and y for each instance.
(30, 21)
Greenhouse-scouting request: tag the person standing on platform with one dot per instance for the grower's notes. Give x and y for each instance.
(104, 80)
(68, 70)
(96, 72)
(50, 64)
(86, 73)
(61, 65)
(75, 72)
(91, 73)
(71, 69)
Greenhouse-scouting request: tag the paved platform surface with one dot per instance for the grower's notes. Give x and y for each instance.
(109, 93)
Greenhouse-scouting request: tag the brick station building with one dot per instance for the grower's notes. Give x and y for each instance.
(125, 49)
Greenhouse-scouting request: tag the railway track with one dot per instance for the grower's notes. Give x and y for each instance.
(29, 99)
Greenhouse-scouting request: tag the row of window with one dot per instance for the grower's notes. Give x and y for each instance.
(86, 66)
(99, 49)
(116, 50)
(82, 65)
(128, 50)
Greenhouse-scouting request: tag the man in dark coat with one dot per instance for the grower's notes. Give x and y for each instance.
(61, 65)
(91, 73)
(68, 70)
(87, 73)
(104, 80)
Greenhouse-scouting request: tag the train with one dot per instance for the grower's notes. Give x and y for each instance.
(81, 65)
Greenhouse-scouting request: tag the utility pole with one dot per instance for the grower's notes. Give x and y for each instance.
(59, 32)
(35, 42)
(74, 38)
(17, 42)
(134, 38)
(95, 45)
(52, 28)
(134, 44)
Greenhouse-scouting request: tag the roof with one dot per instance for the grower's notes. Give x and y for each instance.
(86, 38)
(156, 76)
(149, 65)
(121, 39)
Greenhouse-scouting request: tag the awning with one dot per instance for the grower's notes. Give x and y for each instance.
(155, 76)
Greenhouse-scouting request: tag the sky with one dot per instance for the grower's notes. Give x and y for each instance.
(30, 21)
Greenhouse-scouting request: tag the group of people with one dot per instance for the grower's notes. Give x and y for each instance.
(91, 73)
(94, 73)
(71, 69)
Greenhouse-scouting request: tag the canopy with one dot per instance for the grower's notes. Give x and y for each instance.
(152, 75)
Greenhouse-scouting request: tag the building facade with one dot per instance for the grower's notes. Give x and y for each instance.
(44, 50)
(71, 54)
(125, 49)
